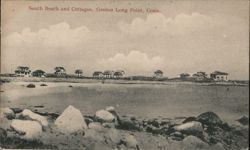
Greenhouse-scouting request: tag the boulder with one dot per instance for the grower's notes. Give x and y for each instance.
(29, 129)
(209, 119)
(108, 125)
(113, 136)
(244, 120)
(7, 112)
(130, 141)
(31, 85)
(192, 127)
(192, 142)
(177, 136)
(3, 134)
(28, 114)
(189, 119)
(104, 116)
(126, 123)
(71, 120)
(110, 108)
(96, 126)
(17, 110)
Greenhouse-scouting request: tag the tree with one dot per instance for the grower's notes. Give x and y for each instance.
(158, 73)
(79, 72)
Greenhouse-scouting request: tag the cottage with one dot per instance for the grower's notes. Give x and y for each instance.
(200, 76)
(158, 74)
(184, 76)
(38, 73)
(22, 71)
(119, 74)
(219, 76)
(60, 71)
(97, 74)
(108, 74)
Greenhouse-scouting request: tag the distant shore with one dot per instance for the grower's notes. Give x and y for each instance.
(120, 81)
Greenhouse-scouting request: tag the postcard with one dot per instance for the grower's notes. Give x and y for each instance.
(124, 74)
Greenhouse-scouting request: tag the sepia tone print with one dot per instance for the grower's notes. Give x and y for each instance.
(124, 75)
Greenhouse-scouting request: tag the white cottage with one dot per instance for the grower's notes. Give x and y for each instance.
(219, 76)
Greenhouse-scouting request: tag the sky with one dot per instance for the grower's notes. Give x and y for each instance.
(181, 36)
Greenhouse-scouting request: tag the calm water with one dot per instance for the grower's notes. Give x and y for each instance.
(145, 100)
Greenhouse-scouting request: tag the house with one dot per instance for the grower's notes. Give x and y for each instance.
(158, 74)
(184, 76)
(108, 74)
(79, 72)
(38, 73)
(22, 71)
(60, 71)
(118, 74)
(97, 74)
(219, 76)
(200, 76)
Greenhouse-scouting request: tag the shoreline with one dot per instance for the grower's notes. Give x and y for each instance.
(109, 130)
(118, 81)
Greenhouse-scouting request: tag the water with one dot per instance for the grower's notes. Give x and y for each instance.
(140, 100)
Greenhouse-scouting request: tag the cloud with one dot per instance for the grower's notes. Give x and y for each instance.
(53, 45)
(135, 62)
(157, 23)
(59, 35)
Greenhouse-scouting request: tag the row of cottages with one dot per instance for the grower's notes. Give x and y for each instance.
(23, 71)
(201, 76)
(109, 74)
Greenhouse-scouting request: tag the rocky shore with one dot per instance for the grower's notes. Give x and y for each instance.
(107, 130)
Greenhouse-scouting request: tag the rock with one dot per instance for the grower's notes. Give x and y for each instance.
(209, 119)
(192, 127)
(110, 108)
(192, 142)
(218, 146)
(31, 86)
(3, 133)
(177, 134)
(88, 120)
(5, 123)
(113, 136)
(244, 120)
(189, 119)
(33, 116)
(43, 84)
(104, 116)
(71, 120)
(30, 129)
(17, 110)
(8, 113)
(130, 141)
(96, 126)
(128, 124)
(108, 125)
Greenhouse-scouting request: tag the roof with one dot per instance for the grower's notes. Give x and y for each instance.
(107, 72)
(97, 73)
(39, 71)
(219, 73)
(185, 74)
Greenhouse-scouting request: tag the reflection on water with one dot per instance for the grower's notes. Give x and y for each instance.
(138, 99)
